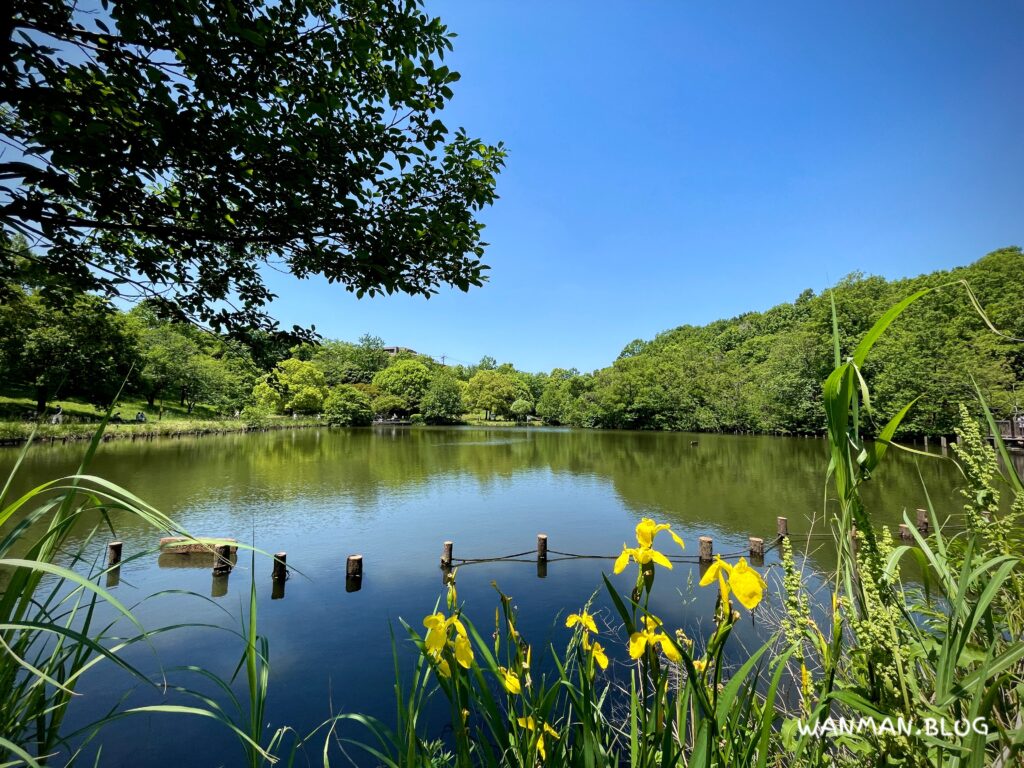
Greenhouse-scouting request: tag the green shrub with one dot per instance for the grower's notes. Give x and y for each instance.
(257, 416)
(347, 406)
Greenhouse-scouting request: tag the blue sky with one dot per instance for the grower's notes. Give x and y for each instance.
(678, 162)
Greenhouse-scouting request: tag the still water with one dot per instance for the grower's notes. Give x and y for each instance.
(394, 495)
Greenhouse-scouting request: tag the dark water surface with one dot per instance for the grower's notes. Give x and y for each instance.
(394, 495)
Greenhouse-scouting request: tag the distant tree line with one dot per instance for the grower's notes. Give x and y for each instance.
(763, 371)
(759, 372)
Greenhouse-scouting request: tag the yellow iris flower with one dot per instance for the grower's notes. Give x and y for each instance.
(743, 581)
(650, 637)
(596, 650)
(647, 529)
(510, 680)
(530, 724)
(437, 640)
(645, 553)
(582, 618)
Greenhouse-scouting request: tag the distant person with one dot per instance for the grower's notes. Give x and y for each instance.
(140, 417)
(58, 416)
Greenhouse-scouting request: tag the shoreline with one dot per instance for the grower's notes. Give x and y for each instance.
(52, 434)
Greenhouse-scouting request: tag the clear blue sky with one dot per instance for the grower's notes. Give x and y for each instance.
(678, 162)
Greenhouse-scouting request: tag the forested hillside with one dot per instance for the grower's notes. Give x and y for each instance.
(761, 371)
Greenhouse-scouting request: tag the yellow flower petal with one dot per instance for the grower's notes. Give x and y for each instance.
(584, 619)
(600, 656)
(717, 567)
(677, 539)
(454, 621)
(510, 680)
(637, 644)
(746, 584)
(645, 531)
(551, 731)
(463, 651)
(435, 640)
(443, 669)
(621, 561)
(651, 622)
(525, 722)
(668, 649)
(660, 559)
(434, 621)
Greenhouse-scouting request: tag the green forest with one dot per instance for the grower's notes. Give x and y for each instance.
(758, 372)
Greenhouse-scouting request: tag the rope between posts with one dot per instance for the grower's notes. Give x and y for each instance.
(521, 557)
(518, 557)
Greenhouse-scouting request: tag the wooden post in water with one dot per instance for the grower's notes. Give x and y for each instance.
(756, 550)
(354, 566)
(354, 573)
(905, 532)
(446, 555)
(542, 569)
(922, 521)
(782, 527)
(222, 561)
(704, 549)
(113, 553)
(943, 443)
(542, 547)
(926, 442)
(280, 566)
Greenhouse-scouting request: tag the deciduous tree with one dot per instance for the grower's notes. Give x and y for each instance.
(171, 150)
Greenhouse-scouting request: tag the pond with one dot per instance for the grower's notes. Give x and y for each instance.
(394, 495)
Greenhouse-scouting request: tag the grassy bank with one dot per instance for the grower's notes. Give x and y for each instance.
(79, 420)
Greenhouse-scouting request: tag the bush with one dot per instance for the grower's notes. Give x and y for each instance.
(347, 406)
(257, 416)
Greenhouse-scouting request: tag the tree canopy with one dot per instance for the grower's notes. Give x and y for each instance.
(759, 372)
(171, 150)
